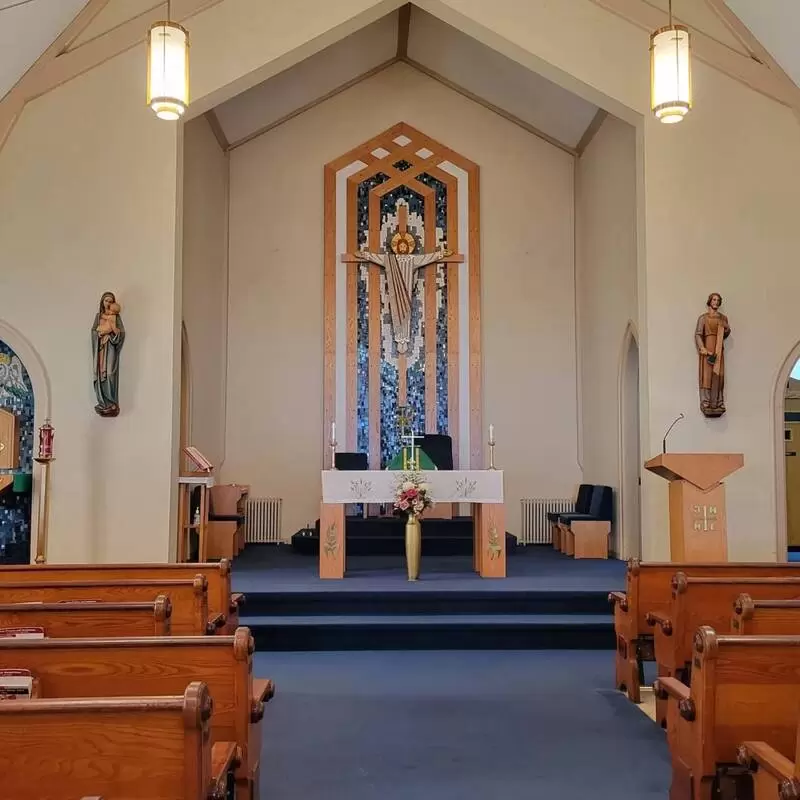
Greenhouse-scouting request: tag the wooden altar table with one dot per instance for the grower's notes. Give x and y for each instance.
(483, 489)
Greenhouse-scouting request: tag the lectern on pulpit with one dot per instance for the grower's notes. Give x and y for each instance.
(697, 521)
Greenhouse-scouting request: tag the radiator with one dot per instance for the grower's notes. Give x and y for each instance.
(262, 522)
(535, 526)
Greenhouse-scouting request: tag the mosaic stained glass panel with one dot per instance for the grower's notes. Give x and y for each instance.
(16, 395)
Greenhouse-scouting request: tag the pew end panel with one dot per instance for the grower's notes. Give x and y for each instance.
(774, 776)
(141, 748)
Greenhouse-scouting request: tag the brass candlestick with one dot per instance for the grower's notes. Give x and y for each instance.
(491, 454)
(333, 453)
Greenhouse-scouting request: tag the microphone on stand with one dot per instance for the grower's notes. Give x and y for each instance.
(677, 420)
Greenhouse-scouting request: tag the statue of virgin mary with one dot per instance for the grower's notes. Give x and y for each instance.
(108, 336)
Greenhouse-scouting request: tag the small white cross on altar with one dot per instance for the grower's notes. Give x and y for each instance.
(413, 463)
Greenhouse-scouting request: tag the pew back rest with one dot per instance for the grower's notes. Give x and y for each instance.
(710, 601)
(65, 620)
(189, 598)
(144, 748)
(744, 688)
(68, 668)
(649, 587)
(765, 617)
(217, 575)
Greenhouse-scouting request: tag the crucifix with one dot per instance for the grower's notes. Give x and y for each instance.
(400, 265)
(413, 462)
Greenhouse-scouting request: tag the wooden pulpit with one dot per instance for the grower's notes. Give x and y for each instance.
(697, 520)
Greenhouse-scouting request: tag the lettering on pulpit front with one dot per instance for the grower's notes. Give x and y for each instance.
(704, 518)
(331, 541)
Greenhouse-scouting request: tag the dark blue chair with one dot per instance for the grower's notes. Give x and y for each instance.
(582, 502)
(587, 534)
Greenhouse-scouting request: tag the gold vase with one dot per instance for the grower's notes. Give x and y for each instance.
(413, 546)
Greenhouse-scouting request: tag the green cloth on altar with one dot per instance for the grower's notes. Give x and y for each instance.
(425, 463)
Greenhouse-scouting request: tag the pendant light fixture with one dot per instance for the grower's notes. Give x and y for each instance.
(670, 72)
(168, 68)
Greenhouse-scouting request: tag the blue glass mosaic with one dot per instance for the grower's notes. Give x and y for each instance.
(442, 415)
(16, 395)
(362, 321)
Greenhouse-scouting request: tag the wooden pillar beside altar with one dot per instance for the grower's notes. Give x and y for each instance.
(332, 540)
(489, 539)
(698, 529)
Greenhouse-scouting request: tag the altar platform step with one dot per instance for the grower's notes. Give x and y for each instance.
(432, 632)
(548, 601)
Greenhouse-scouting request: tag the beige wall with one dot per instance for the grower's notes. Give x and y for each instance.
(275, 324)
(606, 298)
(205, 285)
(88, 196)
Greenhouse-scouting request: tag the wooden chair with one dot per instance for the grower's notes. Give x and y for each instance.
(582, 501)
(765, 617)
(139, 748)
(586, 535)
(744, 688)
(189, 598)
(648, 588)
(145, 666)
(64, 620)
(221, 600)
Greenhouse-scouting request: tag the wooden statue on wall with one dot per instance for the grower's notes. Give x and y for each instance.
(710, 334)
(108, 336)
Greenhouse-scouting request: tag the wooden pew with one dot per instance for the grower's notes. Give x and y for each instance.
(189, 598)
(648, 588)
(143, 666)
(744, 688)
(765, 617)
(64, 620)
(775, 777)
(221, 600)
(137, 748)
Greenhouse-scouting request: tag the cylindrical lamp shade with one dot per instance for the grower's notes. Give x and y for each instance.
(168, 70)
(670, 73)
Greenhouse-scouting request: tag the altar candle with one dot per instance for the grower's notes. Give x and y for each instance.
(333, 432)
(491, 434)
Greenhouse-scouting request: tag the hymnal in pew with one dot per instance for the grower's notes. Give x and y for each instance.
(22, 633)
(16, 684)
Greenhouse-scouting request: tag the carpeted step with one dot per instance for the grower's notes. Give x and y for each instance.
(425, 601)
(432, 632)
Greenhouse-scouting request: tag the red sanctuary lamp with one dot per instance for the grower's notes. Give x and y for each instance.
(46, 436)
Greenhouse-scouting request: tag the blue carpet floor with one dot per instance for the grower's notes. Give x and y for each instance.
(455, 725)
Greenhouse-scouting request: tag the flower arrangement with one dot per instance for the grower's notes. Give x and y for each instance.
(412, 494)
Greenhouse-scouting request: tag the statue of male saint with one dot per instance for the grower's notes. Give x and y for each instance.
(400, 265)
(710, 332)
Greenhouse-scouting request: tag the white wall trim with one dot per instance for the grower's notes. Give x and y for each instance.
(40, 384)
(778, 394)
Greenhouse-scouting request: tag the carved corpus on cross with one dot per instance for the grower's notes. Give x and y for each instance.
(400, 265)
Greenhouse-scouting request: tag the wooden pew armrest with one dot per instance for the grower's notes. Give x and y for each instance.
(237, 601)
(263, 692)
(620, 599)
(657, 618)
(759, 755)
(215, 622)
(667, 688)
(225, 756)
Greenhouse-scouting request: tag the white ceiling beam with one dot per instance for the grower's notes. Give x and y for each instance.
(13, 102)
(743, 68)
(591, 131)
(751, 42)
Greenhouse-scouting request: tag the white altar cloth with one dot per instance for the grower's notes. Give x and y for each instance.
(446, 486)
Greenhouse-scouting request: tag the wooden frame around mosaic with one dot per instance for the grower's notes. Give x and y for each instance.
(438, 154)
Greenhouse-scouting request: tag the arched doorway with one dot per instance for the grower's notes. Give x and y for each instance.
(629, 536)
(791, 460)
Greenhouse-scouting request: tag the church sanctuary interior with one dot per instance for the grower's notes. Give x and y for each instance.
(411, 407)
